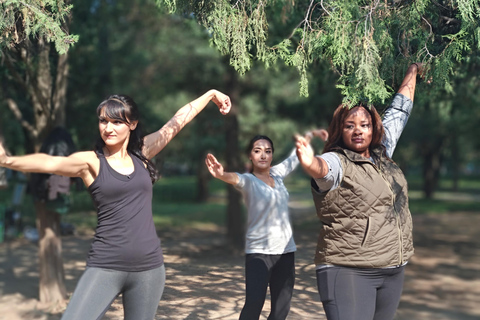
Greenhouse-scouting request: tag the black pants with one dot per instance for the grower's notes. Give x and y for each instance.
(360, 294)
(261, 271)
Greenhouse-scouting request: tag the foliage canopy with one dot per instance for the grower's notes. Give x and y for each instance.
(368, 44)
(20, 19)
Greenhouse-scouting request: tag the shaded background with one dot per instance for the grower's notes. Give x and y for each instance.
(163, 61)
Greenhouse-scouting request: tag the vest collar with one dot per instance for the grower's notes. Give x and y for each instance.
(376, 153)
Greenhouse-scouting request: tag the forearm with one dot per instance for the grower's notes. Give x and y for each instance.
(407, 88)
(229, 177)
(317, 169)
(155, 142)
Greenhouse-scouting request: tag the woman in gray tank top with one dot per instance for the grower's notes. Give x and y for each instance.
(125, 257)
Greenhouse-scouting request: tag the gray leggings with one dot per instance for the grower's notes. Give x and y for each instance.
(97, 288)
(360, 294)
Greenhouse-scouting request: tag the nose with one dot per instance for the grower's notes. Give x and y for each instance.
(109, 126)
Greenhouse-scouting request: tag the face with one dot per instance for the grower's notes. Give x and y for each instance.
(261, 154)
(357, 131)
(114, 131)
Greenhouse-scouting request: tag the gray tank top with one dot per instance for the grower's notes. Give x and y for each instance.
(125, 238)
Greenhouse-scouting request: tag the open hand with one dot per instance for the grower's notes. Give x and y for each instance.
(305, 152)
(215, 167)
(3, 155)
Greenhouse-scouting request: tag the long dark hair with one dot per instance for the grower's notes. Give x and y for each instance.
(335, 129)
(123, 108)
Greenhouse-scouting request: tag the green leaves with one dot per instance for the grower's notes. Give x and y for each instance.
(30, 18)
(368, 43)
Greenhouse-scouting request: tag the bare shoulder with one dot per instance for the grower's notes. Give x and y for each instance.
(92, 165)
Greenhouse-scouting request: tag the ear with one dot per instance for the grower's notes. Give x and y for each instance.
(133, 125)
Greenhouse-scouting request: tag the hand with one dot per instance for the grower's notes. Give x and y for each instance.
(304, 151)
(222, 101)
(321, 133)
(3, 155)
(422, 71)
(215, 167)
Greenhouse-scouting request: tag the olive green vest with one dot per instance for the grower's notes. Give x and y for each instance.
(366, 222)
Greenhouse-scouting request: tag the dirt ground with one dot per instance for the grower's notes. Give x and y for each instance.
(205, 280)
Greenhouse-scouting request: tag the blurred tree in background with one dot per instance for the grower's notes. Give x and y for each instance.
(34, 41)
(267, 55)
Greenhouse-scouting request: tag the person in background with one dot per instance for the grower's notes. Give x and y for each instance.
(269, 247)
(361, 199)
(126, 255)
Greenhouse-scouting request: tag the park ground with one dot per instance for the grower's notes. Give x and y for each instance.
(205, 279)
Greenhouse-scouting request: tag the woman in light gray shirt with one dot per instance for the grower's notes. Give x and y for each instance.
(269, 245)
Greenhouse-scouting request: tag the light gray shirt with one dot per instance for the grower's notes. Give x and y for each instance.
(394, 121)
(269, 230)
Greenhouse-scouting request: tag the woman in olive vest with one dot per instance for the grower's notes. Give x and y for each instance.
(361, 198)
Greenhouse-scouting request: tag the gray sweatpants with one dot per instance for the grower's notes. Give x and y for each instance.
(97, 288)
(360, 294)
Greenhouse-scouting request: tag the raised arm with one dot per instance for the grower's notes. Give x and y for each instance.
(156, 141)
(397, 114)
(75, 165)
(216, 169)
(407, 88)
(316, 167)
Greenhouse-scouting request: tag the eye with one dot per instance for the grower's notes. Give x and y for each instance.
(118, 122)
(102, 121)
(269, 151)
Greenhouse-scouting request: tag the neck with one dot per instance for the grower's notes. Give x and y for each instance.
(261, 172)
(114, 152)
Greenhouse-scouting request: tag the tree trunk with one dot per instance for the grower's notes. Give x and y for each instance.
(202, 180)
(47, 97)
(52, 287)
(235, 221)
(432, 163)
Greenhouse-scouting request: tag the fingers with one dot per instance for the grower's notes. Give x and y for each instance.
(223, 102)
(211, 162)
(226, 105)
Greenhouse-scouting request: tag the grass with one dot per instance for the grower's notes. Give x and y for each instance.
(174, 201)
(173, 205)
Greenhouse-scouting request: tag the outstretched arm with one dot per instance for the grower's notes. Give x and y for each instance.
(155, 142)
(316, 167)
(75, 165)
(216, 169)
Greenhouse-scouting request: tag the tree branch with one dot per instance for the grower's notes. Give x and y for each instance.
(12, 105)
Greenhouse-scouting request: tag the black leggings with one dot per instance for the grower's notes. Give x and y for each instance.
(97, 288)
(360, 294)
(262, 270)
